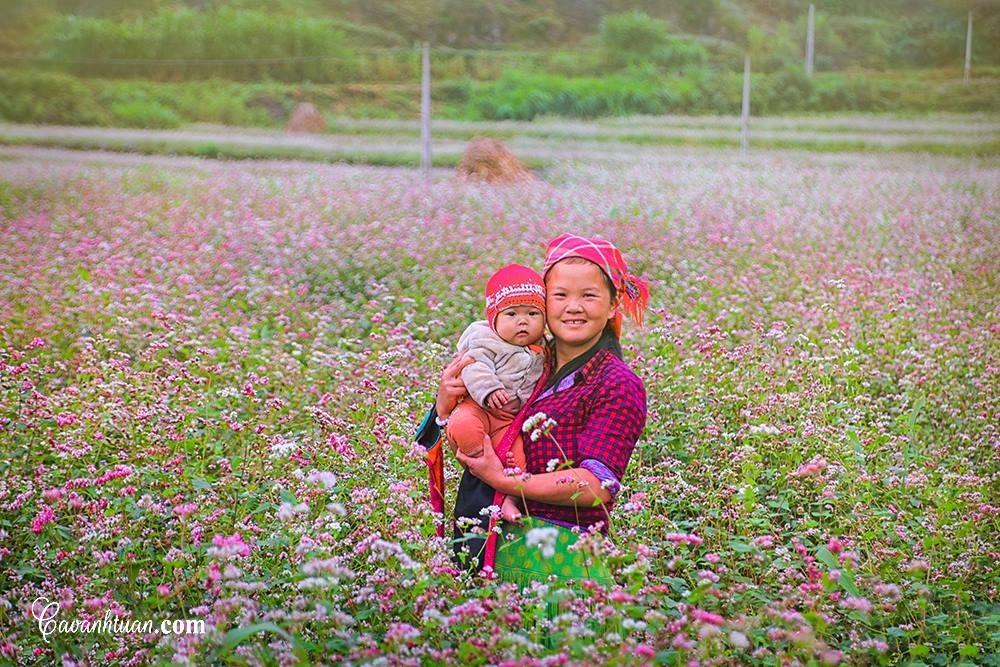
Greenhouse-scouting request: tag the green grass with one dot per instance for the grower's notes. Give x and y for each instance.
(224, 151)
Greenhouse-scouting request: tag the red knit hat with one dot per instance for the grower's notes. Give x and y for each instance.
(513, 285)
(633, 293)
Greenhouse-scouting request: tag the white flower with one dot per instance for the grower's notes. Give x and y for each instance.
(766, 429)
(551, 465)
(288, 511)
(490, 511)
(532, 421)
(535, 435)
(544, 539)
(281, 447)
(324, 477)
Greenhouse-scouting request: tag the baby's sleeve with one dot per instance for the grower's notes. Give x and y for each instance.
(480, 377)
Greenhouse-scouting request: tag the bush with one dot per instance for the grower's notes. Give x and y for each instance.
(771, 51)
(220, 34)
(144, 114)
(681, 52)
(864, 41)
(633, 34)
(635, 38)
(787, 90)
(523, 96)
(49, 98)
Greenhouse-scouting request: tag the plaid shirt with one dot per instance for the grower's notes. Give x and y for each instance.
(600, 411)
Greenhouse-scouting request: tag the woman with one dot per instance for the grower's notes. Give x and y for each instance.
(597, 403)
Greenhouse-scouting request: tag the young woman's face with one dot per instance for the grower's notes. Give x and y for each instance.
(577, 303)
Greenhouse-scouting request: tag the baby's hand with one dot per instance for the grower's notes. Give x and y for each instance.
(497, 399)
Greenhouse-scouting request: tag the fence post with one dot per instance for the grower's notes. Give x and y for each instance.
(425, 111)
(745, 116)
(810, 39)
(968, 51)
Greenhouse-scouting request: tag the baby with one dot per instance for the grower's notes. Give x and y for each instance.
(508, 364)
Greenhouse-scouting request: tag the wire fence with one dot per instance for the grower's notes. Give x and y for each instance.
(368, 65)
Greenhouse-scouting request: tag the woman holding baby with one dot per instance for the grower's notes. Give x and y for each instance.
(594, 412)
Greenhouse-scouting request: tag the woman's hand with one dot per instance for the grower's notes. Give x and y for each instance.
(486, 466)
(452, 388)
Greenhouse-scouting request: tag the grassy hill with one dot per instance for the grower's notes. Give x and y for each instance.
(145, 64)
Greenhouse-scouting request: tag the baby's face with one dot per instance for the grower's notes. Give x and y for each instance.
(520, 325)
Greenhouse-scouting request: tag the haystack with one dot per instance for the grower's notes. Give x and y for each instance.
(488, 160)
(306, 118)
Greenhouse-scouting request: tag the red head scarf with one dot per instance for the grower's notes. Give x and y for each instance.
(633, 293)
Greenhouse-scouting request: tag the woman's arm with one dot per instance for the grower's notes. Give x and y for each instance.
(452, 388)
(572, 487)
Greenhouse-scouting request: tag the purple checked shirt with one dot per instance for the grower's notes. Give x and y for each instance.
(600, 411)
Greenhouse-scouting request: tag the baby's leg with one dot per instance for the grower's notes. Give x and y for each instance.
(467, 427)
(516, 459)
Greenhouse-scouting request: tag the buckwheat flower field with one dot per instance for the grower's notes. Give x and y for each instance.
(210, 376)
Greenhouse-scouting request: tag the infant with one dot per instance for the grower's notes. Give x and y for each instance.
(508, 363)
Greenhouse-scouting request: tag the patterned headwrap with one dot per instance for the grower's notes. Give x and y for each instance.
(633, 293)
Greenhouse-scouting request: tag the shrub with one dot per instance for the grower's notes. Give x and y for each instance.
(633, 34)
(45, 97)
(787, 90)
(219, 34)
(523, 96)
(144, 114)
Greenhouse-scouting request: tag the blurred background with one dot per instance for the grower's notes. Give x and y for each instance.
(168, 64)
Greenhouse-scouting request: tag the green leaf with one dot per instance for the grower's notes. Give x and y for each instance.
(667, 657)
(201, 484)
(237, 636)
(920, 650)
(846, 579)
(855, 442)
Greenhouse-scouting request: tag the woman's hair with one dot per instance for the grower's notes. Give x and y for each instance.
(607, 281)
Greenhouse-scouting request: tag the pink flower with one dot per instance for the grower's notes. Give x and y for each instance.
(857, 604)
(831, 657)
(684, 538)
(835, 545)
(45, 517)
(227, 547)
(812, 468)
(65, 419)
(707, 617)
(645, 651)
(185, 509)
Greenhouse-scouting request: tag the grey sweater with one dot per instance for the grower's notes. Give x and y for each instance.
(498, 365)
